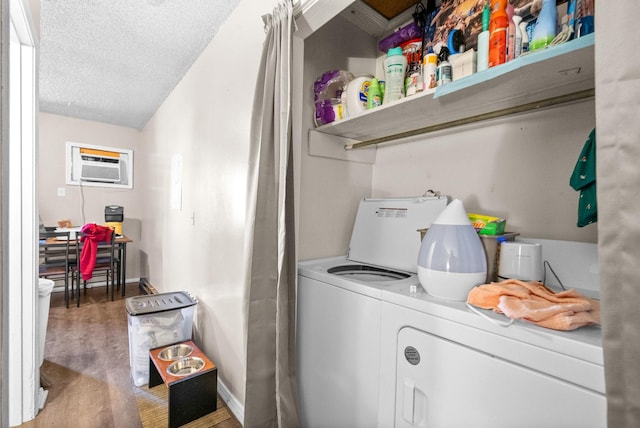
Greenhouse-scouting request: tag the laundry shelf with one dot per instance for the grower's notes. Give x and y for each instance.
(555, 75)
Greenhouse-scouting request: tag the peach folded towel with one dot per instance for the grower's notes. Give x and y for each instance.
(532, 301)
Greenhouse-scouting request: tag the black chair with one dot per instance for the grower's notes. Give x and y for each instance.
(107, 265)
(55, 258)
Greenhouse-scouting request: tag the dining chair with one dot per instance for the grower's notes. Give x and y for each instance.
(55, 258)
(107, 264)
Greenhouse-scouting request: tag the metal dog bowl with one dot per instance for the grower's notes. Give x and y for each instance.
(175, 352)
(186, 366)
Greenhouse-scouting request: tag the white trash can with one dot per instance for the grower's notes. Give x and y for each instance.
(156, 320)
(45, 286)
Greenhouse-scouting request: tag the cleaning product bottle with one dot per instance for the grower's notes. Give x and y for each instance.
(525, 37)
(545, 29)
(374, 96)
(395, 66)
(430, 64)
(517, 19)
(571, 16)
(356, 95)
(498, 33)
(511, 33)
(444, 72)
(483, 40)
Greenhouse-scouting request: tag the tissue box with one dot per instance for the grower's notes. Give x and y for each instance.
(463, 64)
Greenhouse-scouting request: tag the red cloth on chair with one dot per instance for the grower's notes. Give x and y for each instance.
(94, 234)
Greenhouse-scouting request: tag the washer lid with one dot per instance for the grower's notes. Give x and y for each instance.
(385, 232)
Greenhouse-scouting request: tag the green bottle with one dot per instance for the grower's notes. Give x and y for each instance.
(374, 96)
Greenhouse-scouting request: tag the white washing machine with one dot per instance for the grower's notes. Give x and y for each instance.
(375, 350)
(339, 311)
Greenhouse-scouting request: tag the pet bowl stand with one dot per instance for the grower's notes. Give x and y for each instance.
(191, 396)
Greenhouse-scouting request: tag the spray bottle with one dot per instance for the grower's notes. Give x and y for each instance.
(498, 33)
(444, 72)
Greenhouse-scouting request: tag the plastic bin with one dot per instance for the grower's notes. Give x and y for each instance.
(156, 320)
(45, 286)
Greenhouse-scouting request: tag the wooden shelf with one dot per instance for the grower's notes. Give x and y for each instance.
(555, 75)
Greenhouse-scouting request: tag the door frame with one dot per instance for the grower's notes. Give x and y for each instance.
(21, 394)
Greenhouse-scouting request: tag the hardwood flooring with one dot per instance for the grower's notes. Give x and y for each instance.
(86, 365)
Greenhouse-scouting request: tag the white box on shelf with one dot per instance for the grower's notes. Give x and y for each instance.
(463, 64)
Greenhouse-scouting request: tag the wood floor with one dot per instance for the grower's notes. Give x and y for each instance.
(86, 365)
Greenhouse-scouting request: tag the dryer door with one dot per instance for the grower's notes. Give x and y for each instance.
(441, 383)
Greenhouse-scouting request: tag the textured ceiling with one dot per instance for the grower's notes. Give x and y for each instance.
(116, 61)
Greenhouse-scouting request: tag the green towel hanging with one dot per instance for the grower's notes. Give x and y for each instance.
(583, 179)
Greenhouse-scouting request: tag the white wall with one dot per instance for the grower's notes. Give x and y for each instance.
(86, 204)
(330, 189)
(516, 168)
(199, 247)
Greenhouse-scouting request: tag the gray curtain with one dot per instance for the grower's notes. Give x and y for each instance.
(270, 389)
(618, 181)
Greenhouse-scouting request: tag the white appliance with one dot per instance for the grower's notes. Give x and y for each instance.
(339, 311)
(98, 166)
(520, 260)
(442, 365)
(379, 351)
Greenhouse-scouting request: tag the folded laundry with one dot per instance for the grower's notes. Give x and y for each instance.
(533, 302)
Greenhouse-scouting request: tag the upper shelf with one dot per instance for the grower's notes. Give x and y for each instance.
(554, 75)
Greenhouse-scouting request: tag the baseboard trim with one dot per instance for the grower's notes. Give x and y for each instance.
(232, 402)
(60, 288)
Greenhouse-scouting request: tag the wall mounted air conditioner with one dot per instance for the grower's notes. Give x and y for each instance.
(99, 166)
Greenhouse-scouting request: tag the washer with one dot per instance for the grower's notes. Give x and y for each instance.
(374, 349)
(339, 310)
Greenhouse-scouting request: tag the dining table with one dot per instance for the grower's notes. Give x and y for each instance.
(120, 242)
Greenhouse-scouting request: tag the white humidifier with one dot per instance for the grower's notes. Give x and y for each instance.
(452, 259)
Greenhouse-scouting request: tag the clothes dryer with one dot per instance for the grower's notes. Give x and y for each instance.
(444, 365)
